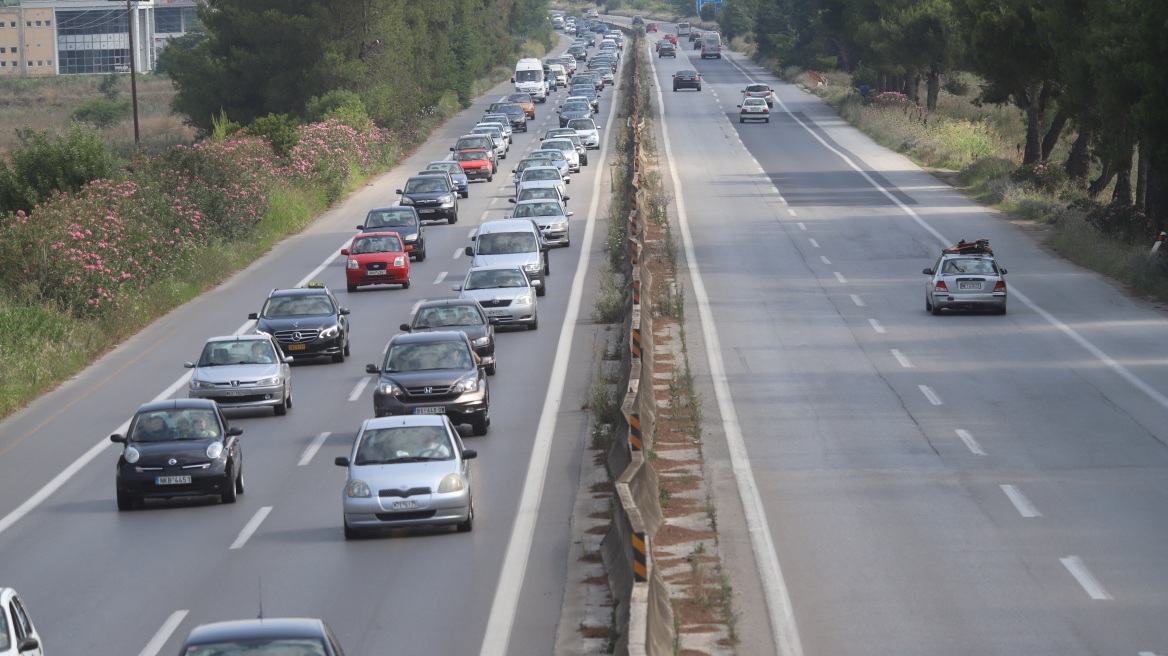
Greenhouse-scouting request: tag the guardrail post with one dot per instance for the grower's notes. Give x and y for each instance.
(635, 346)
(635, 442)
(640, 560)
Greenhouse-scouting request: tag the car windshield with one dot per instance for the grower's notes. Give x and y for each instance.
(558, 144)
(504, 243)
(529, 76)
(385, 446)
(390, 218)
(441, 317)
(582, 124)
(531, 193)
(470, 155)
(546, 154)
(316, 305)
(756, 88)
(377, 244)
(970, 265)
(175, 424)
(754, 101)
(537, 209)
(513, 110)
(449, 167)
(260, 647)
(425, 186)
(520, 97)
(249, 351)
(428, 356)
(495, 279)
(541, 174)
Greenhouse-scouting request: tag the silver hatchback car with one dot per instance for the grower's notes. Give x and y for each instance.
(242, 371)
(405, 471)
(966, 277)
(505, 292)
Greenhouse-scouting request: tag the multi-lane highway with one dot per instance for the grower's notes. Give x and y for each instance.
(967, 484)
(99, 581)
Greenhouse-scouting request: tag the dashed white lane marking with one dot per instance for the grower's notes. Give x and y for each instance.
(471, 233)
(930, 394)
(164, 632)
(801, 225)
(484, 216)
(902, 359)
(358, 389)
(1147, 653)
(414, 309)
(251, 527)
(790, 211)
(823, 258)
(1079, 570)
(314, 446)
(971, 443)
(441, 277)
(857, 300)
(814, 244)
(458, 253)
(1025, 508)
(876, 325)
(840, 277)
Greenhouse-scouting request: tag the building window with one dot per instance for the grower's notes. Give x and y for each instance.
(3, 64)
(38, 23)
(3, 50)
(50, 62)
(48, 23)
(40, 62)
(28, 23)
(14, 50)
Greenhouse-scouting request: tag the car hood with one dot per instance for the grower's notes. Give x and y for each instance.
(428, 378)
(270, 324)
(576, 113)
(486, 296)
(426, 195)
(227, 373)
(403, 232)
(404, 476)
(505, 259)
(184, 451)
(473, 332)
(388, 258)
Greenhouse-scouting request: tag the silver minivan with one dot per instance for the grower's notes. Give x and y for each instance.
(711, 45)
(515, 243)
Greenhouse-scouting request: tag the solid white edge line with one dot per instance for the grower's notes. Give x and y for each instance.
(902, 359)
(252, 525)
(784, 630)
(506, 601)
(971, 443)
(930, 394)
(358, 389)
(312, 448)
(1021, 503)
(876, 326)
(1078, 569)
(164, 632)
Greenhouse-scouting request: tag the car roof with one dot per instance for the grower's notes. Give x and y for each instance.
(436, 336)
(505, 225)
(448, 302)
(177, 404)
(441, 174)
(395, 208)
(276, 627)
(299, 291)
(250, 337)
(402, 420)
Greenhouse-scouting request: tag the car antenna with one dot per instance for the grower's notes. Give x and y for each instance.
(260, 583)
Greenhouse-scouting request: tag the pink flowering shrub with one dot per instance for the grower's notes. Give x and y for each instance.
(329, 151)
(1120, 220)
(1045, 176)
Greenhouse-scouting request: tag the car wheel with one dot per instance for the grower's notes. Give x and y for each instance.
(675, 88)
(766, 120)
(282, 409)
(351, 288)
(339, 357)
(479, 427)
(490, 177)
(466, 194)
(126, 501)
(741, 120)
(453, 219)
(936, 310)
(547, 265)
(230, 495)
(468, 525)
(541, 290)
(239, 486)
(928, 306)
(491, 368)
(1002, 310)
(406, 284)
(534, 325)
(422, 254)
(288, 400)
(346, 351)
(351, 533)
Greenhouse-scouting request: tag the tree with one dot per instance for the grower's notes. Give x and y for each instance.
(44, 164)
(734, 19)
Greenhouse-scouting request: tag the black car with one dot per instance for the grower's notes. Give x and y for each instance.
(178, 448)
(306, 322)
(433, 373)
(432, 195)
(514, 113)
(667, 50)
(579, 52)
(463, 314)
(401, 219)
(687, 79)
(277, 635)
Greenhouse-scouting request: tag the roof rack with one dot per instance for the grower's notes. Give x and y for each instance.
(979, 247)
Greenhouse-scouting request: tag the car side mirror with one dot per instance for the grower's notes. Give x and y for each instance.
(343, 311)
(372, 369)
(512, 80)
(456, 288)
(287, 359)
(405, 327)
(569, 214)
(1002, 271)
(29, 644)
(409, 247)
(506, 216)
(568, 180)
(469, 454)
(599, 128)
(537, 282)
(254, 316)
(188, 365)
(118, 438)
(452, 150)
(341, 461)
(344, 251)
(511, 200)
(927, 272)
(469, 251)
(738, 105)
(397, 191)
(234, 431)
(360, 227)
(567, 198)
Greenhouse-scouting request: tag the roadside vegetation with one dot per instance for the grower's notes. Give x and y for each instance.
(98, 238)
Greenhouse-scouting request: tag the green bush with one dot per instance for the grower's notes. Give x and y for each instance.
(45, 164)
(102, 112)
(1045, 176)
(278, 130)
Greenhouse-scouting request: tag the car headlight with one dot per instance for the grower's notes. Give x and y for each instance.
(451, 483)
(406, 200)
(468, 384)
(201, 384)
(214, 450)
(131, 455)
(399, 261)
(357, 489)
(446, 200)
(482, 341)
(388, 389)
(413, 236)
(522, 300)
(266, 382)
(352, 264)
(532, 268)
(332, 331)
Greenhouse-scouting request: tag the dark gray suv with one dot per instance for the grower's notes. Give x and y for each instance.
(433, 196)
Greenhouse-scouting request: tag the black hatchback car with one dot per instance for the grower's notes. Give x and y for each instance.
(178, 448)
(277, 635)
(401, 219)
(514, 113)
(433, 373)
(463, 314)
(306, 321)
(432, 195)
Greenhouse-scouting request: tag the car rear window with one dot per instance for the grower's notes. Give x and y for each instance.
(582, 124)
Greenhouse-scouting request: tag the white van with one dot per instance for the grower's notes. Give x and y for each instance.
(529, 78)
(711, 45)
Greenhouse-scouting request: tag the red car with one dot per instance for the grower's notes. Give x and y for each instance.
(476, 163)
(672, 38)
(377, 258)
(650, 27)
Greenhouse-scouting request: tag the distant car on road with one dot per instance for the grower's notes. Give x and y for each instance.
(306, 321)
(754, 109)
(242, 371)
(274, 636)
(650, 27)
(667, 49)
(505, 292)
(403, 220)
(376, 258)
(966, 277)
(476, 162)
(760, 91)
(687, 79)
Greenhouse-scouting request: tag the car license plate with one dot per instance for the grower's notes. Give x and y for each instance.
(426, 210)
(969, 285)
(402, 505)
(430, 410)
(296, 347)
(236, 392)
(172, 480)
(380, 272)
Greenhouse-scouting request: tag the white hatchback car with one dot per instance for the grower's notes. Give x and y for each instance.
(18, 637)
(587, 130)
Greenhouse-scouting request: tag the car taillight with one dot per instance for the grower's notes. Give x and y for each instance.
(941, 286)
(1001, 286)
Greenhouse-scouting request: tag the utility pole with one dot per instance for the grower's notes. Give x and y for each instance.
(133, 68)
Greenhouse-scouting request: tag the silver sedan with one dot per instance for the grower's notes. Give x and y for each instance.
(505, 292)
(966, 277)
(242, 371)
(407, 470)
(550, 216)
